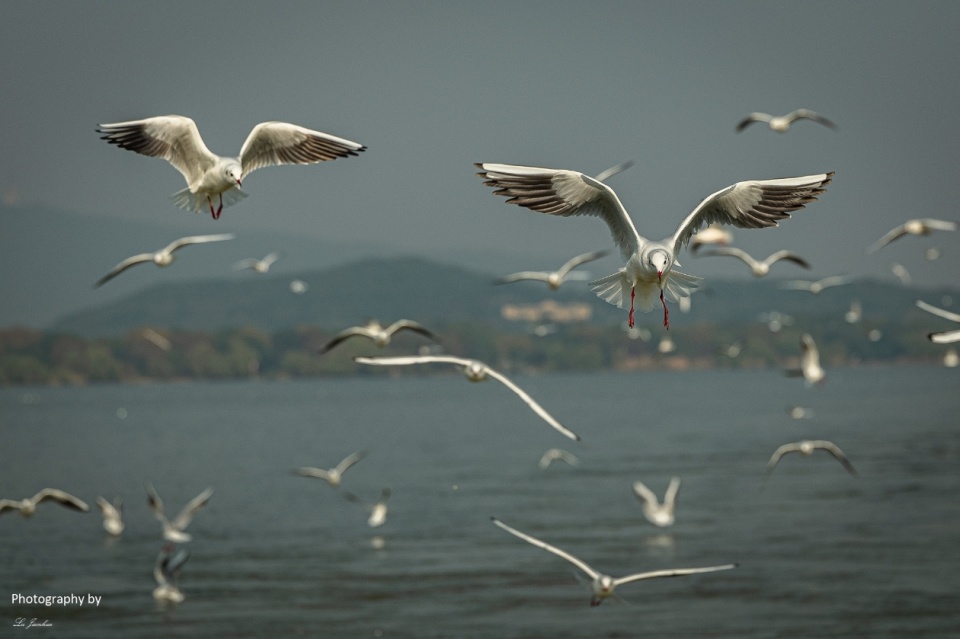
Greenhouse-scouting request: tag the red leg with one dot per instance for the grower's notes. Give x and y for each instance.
(633, 294)
(219, 208)
(213, 213)
(666, 313)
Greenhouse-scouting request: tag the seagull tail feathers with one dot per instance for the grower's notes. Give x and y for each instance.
(197, 202)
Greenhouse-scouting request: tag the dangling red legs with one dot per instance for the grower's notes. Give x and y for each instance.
(666, 313)
(215, 214)
(633, 294)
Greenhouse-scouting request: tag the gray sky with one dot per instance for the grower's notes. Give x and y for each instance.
(431, 87)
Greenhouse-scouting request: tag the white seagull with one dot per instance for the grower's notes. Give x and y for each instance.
(29, 505)
(475, 371)
(713, 234)
(175, 138)
(334, 475)
(553, 278)
(375, 331)
(555, 454)
(810, 369)
(163, 257)
(816, 287)
(378, 511)
(945, 337)
(806, 448)
(658, 514)
(165, 572)
(924, 226)
(781, 123)
(112, 515)
(603, 585)
(649, 264)
(759, 268)
(174, 530)
(255, 265)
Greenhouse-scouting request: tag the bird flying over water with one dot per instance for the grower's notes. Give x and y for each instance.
(163, 257)
(378, 510)
(806, 448)
(555, 454)
(945, 337)
(174, 530)
(112, 515)
(649, 264)
(815, 287)
(758, 267)
(255, 265)
(166, 570)
(334, 475)
(658, 514)
(177, 140)
(28, 506)
(553, 278)
(924, 226)
(810, 369)
(375, 331)
(781, 123)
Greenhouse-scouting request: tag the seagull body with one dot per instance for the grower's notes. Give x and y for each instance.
(257, 266)
(810, 368)
(649, 264)
(713, 234)
(554, 454)
(334, 475)
(806, 448)
(923, 226)
(165, 572)
(946, 337)
(378, 510)
(177, 140)
(28, 506)
(658, 514)
(163, 257)
(815, 287)
(112, 515)
(378, 333)
(855, 313)
(174, 530)
(603, 585)
(554, 278)
(781, 123)
(759, 268)
(475, 371)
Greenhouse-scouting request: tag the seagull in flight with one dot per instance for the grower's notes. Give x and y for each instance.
(649, 264)
(163, 257)
(334, 475)
(713, 234)
(603, 585)
(816, 287)
(924, 226)
(554, 278)
(475, 371)
(781, 123)
(658, 514)
(810, 368)
(759, 268)
(174, 530)
(165, 572)
(112, 515)
(29, 505)
(177, 140)
(255, 265)
(375, 331)
(945, 337)
(806, 448)
(378, 510)
(555, 454)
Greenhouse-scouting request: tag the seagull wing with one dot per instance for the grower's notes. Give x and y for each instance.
(416, 359)
(676, 572)
(319, 473)
(780, 452)
(752, 204)
(188, 511)
(788, 256)
(272, 143)
(613, 170)
(645, 494)
(174, 138)
(108, 509)
(730, 251)
(671, 495)
(350, 461)
(890, 236)
(809, 353)
(807, 114)
(537, 408)
(124, 265)
(578, 260)
(833, 280)
(410, 325)
(582, 565)
(946, 337)
(750, 119)
(564, 193)
(834, 450)
(65, 499)
(930, 308)
(8, 505)
(538, 276)
(197, 239)
(155, 503)
(344, 335)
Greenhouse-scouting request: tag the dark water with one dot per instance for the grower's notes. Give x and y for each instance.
(821, 554)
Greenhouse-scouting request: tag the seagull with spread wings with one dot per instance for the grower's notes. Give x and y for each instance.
(945, 337)
(923, 226)
(781, 123)
(375, 331)
(658, 514)
(255, 265)
(174, 530)
(553, 278)
(816, 287)
(165, 572)
(806, 448)
(29, 505)
(810, 369)
(112, 515)
(333, 476)
(758, 267)
(163, 257)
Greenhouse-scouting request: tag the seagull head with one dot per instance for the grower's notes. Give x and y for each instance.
(602, 588)
(659, 260)
(234, 173)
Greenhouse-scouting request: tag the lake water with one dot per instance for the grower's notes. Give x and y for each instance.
(820, 553)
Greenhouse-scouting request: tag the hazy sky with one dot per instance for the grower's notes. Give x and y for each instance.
(432, 87)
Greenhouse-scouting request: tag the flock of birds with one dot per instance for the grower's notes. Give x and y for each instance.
(648, 275)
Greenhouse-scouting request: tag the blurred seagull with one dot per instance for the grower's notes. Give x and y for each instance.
(375, 331)
(112, 515)
(945, 337)
(29, 505)
(649, 265)
(855, 313)
(165, 572)
(378, 511)
(815, 287)
(255, 265)
(923, 226)
(782, 123)
(902, 273)
(759, 268)
(175, 138)
(555, 278)
(174, 530)
(810, 368)
(475, 371)
(658, 514)
(554, 454)
(163, 257)
(603, 585)
(939, 312)
(713, 234)
(806, 448)
(334, 475)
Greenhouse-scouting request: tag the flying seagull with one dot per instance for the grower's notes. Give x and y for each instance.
(255, 265)
(945, 337)
(759, 268)
(475, 371)
(649, 265)
(782, 123)
(713, 234)
(29, 505)
(375, 331)
(554, 278)
(112, 515)
(924, 226)
(163, 257)
(378, 510)
(810, 369)
(658, 514)
(815, 287)
(334, 475)
(806, 448)
(554, 454)
(174, 530)
(603, 585)
(177, 140)
(165, 572)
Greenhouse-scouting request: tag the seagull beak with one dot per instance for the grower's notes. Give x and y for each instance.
(239, 183)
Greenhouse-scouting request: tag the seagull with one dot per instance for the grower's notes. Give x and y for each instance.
(799, 412)
(923, 226)
(658, 514)
(815, 287)
(255, 265)
(649, 265)
(759, 268)
(174, 530)
(555, 278)
(945, 337)
(375, 331)
(855, 313)
(939, 312)
(475, 371)
(177, 140)
(29, 505)
(713, 234)
(557, 453)
(902, 273)
(112, 515)
(810, 368)
(950, 357)
(378, 511)
(163, 257)
(806, 448)
(603, 585)
(782, 123)
(334, 475)
(165, 572)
